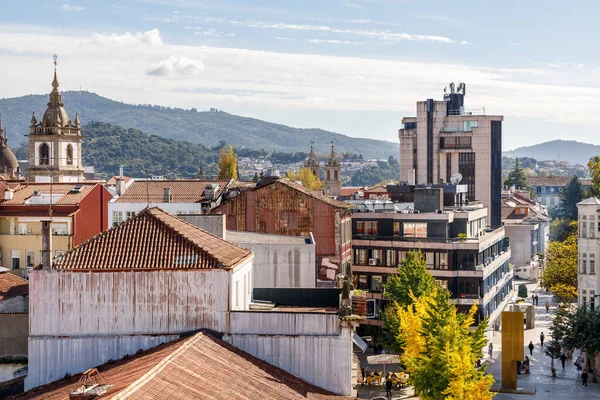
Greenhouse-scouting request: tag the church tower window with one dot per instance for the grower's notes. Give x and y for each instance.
(44, 154)
(328, 175)
(69, 155)
(335, 175)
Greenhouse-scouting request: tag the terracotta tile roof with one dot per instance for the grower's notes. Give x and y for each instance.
(377, 189)
(12, 286)
(312, 193)
(182, 191)
(113, 181)
(201, 367)
(152, 239)
(25, 191)
(350, 190)
(549, 181)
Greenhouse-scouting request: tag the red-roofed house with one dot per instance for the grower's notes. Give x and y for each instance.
(79, 211)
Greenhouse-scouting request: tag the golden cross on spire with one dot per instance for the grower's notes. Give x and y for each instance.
(312, 142)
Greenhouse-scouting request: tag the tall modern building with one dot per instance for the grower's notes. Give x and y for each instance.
(446, 138)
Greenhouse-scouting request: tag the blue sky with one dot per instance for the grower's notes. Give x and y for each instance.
(351, 66)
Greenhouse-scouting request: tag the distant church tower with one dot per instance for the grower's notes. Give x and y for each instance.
(333, 175)
(9, 166)
(55, 143)
(312, 162)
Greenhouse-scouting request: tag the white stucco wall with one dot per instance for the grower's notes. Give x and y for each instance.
(313, 346)
(171, 208)
(282, 265)
(241, 286)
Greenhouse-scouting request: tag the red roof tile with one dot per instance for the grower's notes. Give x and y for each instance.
(25, 191)
(182, 191)
(12, 286)
(113, 180)
(201, 367)
(153, 239)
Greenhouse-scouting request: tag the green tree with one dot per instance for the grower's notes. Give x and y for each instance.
(227, 163)
(411, 277)
(561, 228)
(553, 350)
(517, 177)
(579, 330)
(561, 265)
(522, 291)
(569, 198)
(594, 168)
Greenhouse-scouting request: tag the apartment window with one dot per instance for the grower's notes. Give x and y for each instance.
(30, 258)
(362, 282)
(429, 259)
(360, 227)
(418, 229)
(584, 266)
(60, 229)
(584, 229)
(396, 228)
(15, 259)
(22, 229)
(371, 228)
(117, 217)
(390, 258)
(592, 299)
(591, 218)
(401, 256)
(543, 189)
(442, 283)
(360, 256)
(376, 254)
(441, 261)
(130, 214)
(592, 267)
(592, 230)
(584, 217)
(376, 283)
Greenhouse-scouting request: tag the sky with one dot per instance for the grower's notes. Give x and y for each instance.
(351, 66)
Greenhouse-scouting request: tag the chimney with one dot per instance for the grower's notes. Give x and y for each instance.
(209, 192)
(167, 195)
(8, 194)
(120, 186)
(47, 245)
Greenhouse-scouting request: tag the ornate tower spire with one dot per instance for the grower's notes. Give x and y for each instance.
(55, 80)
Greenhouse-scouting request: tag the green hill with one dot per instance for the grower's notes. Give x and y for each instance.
(557, 150)
(107, 147)
(206, 127)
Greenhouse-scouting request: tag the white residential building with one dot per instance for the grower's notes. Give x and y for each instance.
(588, 283)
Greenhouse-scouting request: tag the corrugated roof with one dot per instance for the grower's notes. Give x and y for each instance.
(312, 193)
(153, 239)
(201, 367)
(549, 180)
(182, 191)
(25, 191)
(12, 286)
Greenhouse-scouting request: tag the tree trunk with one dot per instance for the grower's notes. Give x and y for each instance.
(552, 367)
(593, 364)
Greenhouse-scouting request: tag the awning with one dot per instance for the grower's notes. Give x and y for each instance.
(384, 359)
(359, 342)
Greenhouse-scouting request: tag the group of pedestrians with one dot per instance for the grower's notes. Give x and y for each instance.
(535, 300)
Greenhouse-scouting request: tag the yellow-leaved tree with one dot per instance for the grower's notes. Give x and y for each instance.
(308, 179)
(439, 348)
(560, 272)
(227, 163)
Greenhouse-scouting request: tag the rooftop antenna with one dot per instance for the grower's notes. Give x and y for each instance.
(145, 171)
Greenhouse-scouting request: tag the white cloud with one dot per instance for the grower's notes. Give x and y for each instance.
(284, 38)
(182, 66)
(267, 83)
(332, 41)
(151, 37)
(351, 5)
(214, 33)
(71, 7)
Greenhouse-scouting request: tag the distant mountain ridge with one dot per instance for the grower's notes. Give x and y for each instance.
(199, 127)
(559, 150)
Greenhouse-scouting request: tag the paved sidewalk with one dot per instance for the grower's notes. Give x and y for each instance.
(566, 384)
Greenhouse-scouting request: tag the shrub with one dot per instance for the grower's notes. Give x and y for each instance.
(522, 290)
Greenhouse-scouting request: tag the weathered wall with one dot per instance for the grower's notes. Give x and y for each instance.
(13, 335)
(211, 223)
(313, 347)
(82, 319)
(51, 358)
(520, 243)
(241, 286)
(282, 265)
(106, 303)
(17, 304)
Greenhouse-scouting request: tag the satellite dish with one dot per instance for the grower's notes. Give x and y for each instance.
(455, 178)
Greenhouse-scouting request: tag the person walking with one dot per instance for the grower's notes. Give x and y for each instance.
(537, 300)
(542, 339)
(547, 305)
(584, 378)
(491, 350)
(533, 299)
(388, 388)
(563, 359)
(531, 347)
